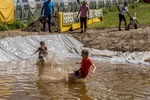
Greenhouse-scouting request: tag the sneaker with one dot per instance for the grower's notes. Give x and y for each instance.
(119, 29)
(84, 31)
(81, 31)
(50, 31)
(42, 30)
(126, 29)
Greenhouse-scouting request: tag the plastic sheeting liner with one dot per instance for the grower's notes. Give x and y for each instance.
(63, 46)
(19, 48)
(6, 11)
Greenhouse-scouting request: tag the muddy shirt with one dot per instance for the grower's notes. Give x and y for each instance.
(85, 67)
(42, 51)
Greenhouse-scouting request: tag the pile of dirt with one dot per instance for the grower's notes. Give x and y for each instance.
(37, 25)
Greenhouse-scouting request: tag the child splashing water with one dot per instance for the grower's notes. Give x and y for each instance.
(84, 69)
(42, 51)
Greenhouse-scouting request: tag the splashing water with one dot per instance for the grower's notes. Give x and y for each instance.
(51, 72)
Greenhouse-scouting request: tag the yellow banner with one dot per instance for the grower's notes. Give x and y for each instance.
(6, 11)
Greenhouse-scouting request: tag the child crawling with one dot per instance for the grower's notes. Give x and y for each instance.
(42, 51)
(85, 67)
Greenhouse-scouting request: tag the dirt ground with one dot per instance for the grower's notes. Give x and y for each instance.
(102, 39)
(37, 25)
(112, 39)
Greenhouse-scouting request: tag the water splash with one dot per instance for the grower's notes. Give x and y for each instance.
(50, 71)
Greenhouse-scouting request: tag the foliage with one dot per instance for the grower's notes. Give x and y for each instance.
(111, 9)
(3, 27)
(133, 6)
(30, 21)
(17, 24)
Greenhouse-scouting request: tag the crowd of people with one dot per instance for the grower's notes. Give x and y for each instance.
(83, 15)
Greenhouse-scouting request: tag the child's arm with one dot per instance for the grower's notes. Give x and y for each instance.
(35, 52)
(79, 12)
(46, 52)
(94, 68)
(88, 13)
(78, 62)
(118, 7)
(42, 10)
(129, 14)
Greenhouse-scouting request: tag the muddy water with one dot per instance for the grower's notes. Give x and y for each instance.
(25, 81)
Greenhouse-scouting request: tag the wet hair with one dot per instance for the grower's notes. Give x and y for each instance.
(84, 2)
(125, 3)
(42, 42)
(84, 51)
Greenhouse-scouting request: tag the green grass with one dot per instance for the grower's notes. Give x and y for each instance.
(17, 24)
(110, 19)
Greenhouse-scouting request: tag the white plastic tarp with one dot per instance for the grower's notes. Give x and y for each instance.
(63, 46)
(18, 48)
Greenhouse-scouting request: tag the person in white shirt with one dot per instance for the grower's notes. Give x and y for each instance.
(123, 9)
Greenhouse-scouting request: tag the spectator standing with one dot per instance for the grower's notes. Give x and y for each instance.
(48, 8)
(84, 13)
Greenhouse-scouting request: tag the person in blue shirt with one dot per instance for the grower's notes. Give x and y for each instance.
(48, 8)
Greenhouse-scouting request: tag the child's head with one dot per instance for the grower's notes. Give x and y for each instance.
(42, 43)
(134, 14)
(85, 53)
(84, 2)
(125, 3)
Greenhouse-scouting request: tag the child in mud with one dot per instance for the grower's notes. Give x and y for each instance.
(42, 51)
(85, 67)
(133, 21)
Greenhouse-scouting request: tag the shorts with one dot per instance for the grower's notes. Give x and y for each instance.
(122, 17)
(76, 73)
(41, 57)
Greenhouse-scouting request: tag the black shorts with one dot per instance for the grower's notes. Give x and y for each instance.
(76, 73)
(41, 58)
(122, 17)
(83, 20)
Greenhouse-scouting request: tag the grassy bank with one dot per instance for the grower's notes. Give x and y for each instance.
(110, 19)
(17, 24)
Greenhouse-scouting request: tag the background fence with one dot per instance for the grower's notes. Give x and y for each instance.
(26, 9)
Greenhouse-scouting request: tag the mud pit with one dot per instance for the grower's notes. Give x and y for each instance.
(111, 81)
